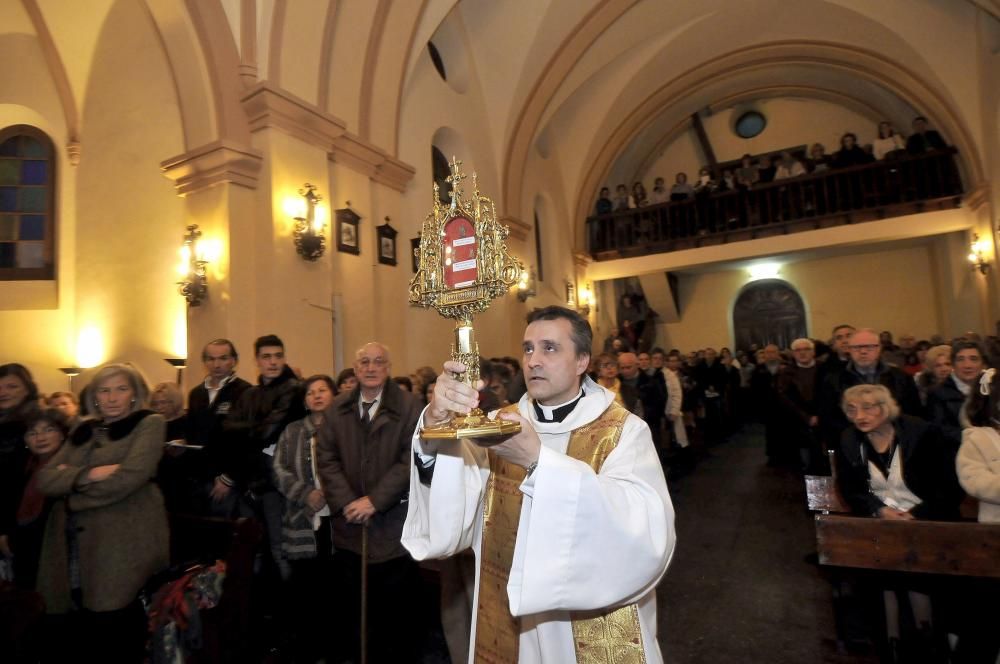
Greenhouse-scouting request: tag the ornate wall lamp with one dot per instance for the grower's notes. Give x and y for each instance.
(310, 240)
(585, 299)
(977, 255)
(193, 285)
(526, 284)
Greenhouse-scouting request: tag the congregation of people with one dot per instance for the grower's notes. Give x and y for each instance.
(324, 465)
(890, 144)
(92, 481)
(911, 430)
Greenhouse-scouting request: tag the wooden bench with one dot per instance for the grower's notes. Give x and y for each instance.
(928, 547)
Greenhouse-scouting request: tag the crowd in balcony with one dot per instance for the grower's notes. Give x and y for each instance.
(749, 173)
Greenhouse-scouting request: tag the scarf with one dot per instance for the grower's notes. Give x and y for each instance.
(32, 500)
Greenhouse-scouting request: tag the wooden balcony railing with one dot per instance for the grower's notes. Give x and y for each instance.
(880, 190)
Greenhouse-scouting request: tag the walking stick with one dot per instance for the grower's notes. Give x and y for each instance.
(364, 593)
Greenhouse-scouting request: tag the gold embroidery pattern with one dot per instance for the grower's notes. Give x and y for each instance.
(613, 637)
(497, 631)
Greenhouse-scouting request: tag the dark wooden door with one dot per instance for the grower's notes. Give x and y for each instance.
(768, 312)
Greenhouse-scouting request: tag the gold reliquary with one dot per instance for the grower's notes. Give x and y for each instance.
(463, 265)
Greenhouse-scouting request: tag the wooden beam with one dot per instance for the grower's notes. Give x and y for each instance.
(706, 145)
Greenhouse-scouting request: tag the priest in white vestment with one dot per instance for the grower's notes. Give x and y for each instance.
(588, 545)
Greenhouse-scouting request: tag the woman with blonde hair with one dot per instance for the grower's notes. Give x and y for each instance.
(894, 466)
(178, 473)
(937, 368)
(107, 533)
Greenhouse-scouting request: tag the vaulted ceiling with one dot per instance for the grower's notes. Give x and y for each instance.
(598, 83)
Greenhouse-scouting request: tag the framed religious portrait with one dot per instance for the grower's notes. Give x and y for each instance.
(386, 236)
(415, 253)
(347, 231)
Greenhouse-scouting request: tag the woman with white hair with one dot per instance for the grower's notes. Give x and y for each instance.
(894, 466)
(107, 533)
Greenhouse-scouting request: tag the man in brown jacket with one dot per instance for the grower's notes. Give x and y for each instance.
(363, 458)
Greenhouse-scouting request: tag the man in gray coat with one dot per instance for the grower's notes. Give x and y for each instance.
(363, 458)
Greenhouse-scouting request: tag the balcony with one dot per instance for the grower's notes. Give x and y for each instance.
(884, 189)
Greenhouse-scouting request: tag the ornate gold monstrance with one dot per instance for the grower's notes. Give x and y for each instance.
(463, 266)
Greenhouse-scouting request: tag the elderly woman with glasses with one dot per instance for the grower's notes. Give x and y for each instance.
(107, 532)
(45, 435)
(894, 466)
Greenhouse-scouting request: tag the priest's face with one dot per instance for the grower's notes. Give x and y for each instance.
(552, 368)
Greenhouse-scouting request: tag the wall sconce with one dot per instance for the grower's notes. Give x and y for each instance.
(977, 255)
(585, 299)
(310, 240)
(526, 284)
(193, 286)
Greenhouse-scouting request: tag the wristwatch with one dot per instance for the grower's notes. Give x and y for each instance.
(530, 469)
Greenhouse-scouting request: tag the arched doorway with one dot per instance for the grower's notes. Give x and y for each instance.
(768, 312)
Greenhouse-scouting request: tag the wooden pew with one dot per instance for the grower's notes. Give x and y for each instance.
(929, 547)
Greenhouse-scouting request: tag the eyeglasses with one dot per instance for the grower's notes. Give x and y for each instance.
(865, 347)
(34, 433)
(378, 362)
(852, 411)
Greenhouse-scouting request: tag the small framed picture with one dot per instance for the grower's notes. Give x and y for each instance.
(347, 231)
(386, 235)
(415, 253)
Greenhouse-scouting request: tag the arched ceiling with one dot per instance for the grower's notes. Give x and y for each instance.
(587, 80)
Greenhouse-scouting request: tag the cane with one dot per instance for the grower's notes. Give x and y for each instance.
(364, 593)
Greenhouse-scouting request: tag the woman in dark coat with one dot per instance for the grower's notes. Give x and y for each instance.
(306, 538)
(107, 534)
(898, 467)
(18, 402)
(45, 435)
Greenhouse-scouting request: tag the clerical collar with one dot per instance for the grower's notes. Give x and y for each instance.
(556, 413)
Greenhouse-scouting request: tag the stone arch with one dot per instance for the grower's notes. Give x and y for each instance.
(204, 61)
(768, 311)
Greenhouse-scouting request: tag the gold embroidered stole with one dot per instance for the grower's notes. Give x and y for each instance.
(600, 636)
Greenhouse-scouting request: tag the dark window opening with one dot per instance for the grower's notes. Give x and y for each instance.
(441, 171)
(538, 248)
(436, 59)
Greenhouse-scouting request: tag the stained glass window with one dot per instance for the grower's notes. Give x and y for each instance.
(27, 204)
